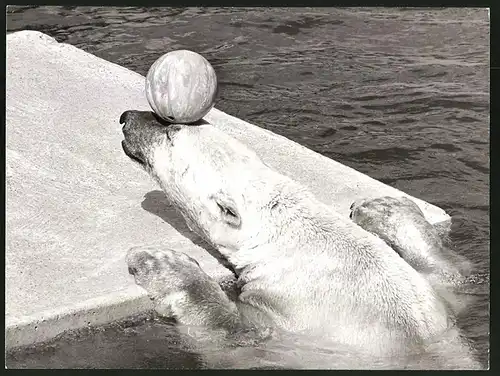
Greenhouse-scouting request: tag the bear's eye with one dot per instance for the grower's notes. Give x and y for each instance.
(227, 208)
(226, 211)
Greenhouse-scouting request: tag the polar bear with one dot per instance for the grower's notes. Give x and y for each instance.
(301, 267)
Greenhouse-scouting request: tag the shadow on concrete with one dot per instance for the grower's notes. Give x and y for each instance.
(157, 203)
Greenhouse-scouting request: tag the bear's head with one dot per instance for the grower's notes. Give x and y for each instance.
(225, 192)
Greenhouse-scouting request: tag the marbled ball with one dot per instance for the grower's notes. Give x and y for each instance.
(181, 86)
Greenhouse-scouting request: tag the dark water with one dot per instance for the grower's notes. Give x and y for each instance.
(401, 95)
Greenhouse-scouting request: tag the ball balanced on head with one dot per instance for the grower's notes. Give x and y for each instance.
(181, 86)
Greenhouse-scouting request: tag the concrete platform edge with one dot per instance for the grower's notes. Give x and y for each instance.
(46, 325)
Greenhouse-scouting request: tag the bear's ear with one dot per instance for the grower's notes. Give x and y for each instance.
(228, 211)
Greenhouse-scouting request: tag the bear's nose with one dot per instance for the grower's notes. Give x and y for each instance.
(126, 119)
(125, 116)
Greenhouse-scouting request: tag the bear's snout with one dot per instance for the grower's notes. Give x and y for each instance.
(141, 130)
(129, 121)
(125, 116)
(141, 122)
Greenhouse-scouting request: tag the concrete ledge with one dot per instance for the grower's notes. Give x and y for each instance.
(75, 203)
(101, 310)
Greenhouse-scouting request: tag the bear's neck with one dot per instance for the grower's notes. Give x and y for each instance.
(299, 234)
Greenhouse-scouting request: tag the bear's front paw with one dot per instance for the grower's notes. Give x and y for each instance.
(384, 216)
(166, 275)
(402, 225)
